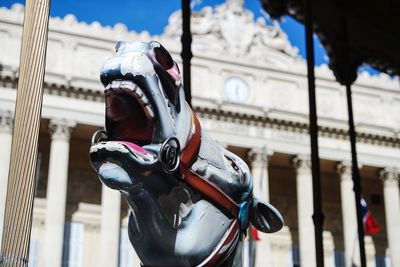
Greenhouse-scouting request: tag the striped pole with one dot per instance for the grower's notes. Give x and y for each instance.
(21, 184)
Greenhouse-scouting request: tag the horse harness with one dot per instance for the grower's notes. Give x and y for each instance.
(172, 159)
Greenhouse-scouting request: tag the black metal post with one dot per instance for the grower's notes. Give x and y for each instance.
(318, 216)
(356, 176)
(186, 53)
(349, 79)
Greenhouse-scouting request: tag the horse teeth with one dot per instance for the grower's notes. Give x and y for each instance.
(139, 93)
(150, 110)
(116, 84)
(121, 86)
(128, 85)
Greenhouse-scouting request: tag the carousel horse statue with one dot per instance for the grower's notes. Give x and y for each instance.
(190, 200)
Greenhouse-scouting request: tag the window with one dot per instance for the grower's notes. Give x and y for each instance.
(33, 253)
(339, 259)
(382, 261)
(249, 253)
(126, 253)
(73, 244)
(296, 256)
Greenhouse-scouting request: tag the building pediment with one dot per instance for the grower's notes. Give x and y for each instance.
(231, 30)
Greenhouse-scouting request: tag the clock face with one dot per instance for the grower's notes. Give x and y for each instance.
(236, 90)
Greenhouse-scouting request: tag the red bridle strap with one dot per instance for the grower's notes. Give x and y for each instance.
(208, 189)
(230, 208)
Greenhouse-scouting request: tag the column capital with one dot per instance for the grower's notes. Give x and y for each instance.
(6, 121)
(344, 170)
(301, 163)
(259, 155)
(61, 129)
(390, 176)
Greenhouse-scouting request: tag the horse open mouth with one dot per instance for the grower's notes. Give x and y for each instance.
(129, 114)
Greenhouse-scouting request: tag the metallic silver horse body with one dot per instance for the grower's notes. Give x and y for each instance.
(191, 200)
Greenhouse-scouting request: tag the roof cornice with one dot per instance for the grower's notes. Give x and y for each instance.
(223, 115)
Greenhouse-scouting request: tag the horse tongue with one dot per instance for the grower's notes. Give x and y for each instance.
(135, 147)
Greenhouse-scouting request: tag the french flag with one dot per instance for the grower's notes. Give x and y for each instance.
(254, 234)
(370, 225)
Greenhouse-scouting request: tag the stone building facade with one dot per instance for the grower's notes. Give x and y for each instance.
(250, 93)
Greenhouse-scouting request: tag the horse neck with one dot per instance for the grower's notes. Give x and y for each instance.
(236, 258)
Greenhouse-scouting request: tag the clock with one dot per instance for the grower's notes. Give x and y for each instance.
(236, 90)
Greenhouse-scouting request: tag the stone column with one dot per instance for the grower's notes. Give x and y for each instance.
(259, 159)
(349, 215)
(91, 247)
(6, 123)
(60, 131)
(369, 251)
(281, 245)
(259, 168)
(135, 258)
(302, 166)
(110, 227)
(329, 247)
(390, 179)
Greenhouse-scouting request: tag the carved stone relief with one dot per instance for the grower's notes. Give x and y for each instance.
(328, 102)
(283, 95)
(11, 48)
(231, 28)
(201, 82)
(53, 56)
(88, 60)
(396, 113)
(6, 121)
(367, 109)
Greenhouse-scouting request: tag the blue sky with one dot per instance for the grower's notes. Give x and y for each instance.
(152, 16)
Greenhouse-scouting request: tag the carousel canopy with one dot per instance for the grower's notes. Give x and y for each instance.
(353, 32)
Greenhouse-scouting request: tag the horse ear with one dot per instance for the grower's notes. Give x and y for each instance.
(265, 218)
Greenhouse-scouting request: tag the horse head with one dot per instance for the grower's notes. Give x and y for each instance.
(191, 200)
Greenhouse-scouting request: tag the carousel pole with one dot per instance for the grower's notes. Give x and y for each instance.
(21, 185)
(350, 76)
(318, 216)
(356, 176)
(186, 53)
